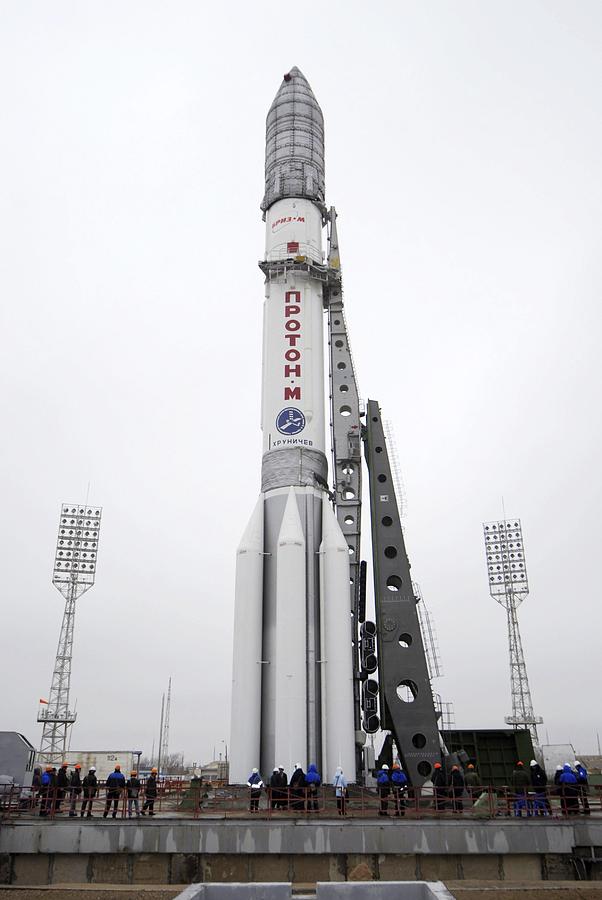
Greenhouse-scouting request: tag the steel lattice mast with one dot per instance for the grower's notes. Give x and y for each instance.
(74, 573)
(508, 585)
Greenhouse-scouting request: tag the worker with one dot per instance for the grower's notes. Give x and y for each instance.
(47, 792)
(275, 789)
(284, 788)
(383, 783)
(313, 782)
(399, 785)
(75, 788)
(539, 783)
(521, 783)
(440, 785)
(297, 788)
(114, 785)
(557, 775)
(90, 786)
(62, 785)
(150, 793)
(472, 781)
(457, 789)
(133, 786)
(583, 784)
(36, 786)
(569, 791)
(339, 783)
(255, 785)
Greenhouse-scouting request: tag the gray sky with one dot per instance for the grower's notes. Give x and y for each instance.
(463, 148)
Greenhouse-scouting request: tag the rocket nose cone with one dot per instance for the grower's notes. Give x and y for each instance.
(294, 152)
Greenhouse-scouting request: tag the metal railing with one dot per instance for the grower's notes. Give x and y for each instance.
(196, 800)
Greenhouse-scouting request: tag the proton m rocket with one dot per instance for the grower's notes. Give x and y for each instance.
(303, 651)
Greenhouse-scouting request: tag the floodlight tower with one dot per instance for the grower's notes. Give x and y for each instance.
(73, 575)
(508, 585)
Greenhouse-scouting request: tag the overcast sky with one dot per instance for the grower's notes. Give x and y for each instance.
(463, 154)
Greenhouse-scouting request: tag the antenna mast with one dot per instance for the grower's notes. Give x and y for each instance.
(508, 585)
(164, 735)
(74, 573)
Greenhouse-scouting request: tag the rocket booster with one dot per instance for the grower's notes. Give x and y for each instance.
(292, 690)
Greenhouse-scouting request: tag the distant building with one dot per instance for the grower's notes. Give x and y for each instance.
(216, 771)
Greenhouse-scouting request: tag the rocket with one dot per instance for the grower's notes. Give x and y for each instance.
(292, 685)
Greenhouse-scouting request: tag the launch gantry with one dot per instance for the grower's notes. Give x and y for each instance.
(403, 690)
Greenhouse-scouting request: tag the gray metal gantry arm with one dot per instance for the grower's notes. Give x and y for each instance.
(406, 700)
(346, 429)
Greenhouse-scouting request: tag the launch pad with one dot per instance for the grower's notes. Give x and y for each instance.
(175, 852)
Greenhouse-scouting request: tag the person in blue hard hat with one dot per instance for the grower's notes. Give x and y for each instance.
(383, 782)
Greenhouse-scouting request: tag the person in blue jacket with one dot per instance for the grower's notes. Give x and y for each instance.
(399, 784)
(313, 781)
(583, 784)
(255, 783)
(569, 791)
(383, 781)
(115, 784)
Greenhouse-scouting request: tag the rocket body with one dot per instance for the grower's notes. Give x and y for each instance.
(292, 697)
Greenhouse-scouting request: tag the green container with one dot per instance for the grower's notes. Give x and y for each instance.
(493, 753)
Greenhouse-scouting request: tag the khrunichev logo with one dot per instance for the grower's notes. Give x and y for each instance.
(290, 421)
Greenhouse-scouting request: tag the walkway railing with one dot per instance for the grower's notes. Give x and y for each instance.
(196, 800)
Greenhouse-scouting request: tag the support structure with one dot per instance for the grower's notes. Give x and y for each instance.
(508, 585)
(345, 430)
(74, 574)
(406, 699)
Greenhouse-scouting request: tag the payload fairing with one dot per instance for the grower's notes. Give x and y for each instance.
(292, 692)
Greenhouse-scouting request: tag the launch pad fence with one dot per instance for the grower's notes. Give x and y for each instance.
(185, 800)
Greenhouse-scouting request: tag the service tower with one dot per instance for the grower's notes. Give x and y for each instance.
(292, 696)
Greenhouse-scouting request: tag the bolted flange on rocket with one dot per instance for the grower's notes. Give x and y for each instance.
(292, 686)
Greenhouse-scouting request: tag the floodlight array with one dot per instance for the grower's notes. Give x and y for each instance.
(77, 545)
(505, 553)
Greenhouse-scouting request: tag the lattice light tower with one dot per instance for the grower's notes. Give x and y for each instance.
(508, 585)
(74, 573)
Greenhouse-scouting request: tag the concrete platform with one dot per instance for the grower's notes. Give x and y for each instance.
(229, 850)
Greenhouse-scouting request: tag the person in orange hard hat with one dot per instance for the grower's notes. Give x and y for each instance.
(75, 788)
(150, 793)
(115, 785)
(133, 786)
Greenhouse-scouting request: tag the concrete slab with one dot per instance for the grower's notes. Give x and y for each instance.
(270, 868)
(524, 836)
(439, 867)
(185, 868)
(69, 868)
(30, 869)
(220, 868)
(522, 867)
(482, 866)
(110, 868)
(398, 867)
(150, 868)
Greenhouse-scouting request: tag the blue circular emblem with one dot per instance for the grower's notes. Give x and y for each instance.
(290, 421)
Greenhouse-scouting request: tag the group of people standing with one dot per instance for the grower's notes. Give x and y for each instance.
(301, 790)
(300, 793)
(571, 784)
(53, 786)
(392, 782)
